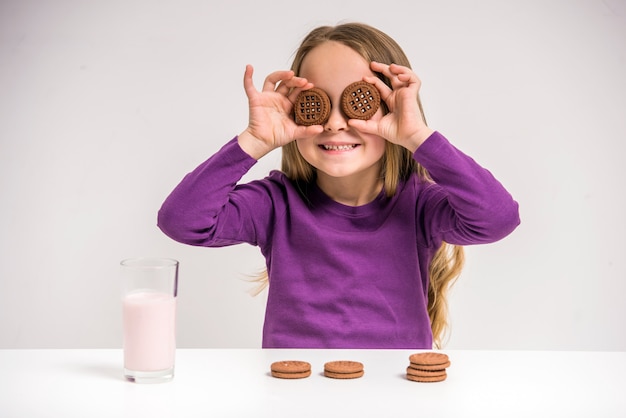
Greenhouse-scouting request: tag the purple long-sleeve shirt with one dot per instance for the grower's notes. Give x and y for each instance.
(342, 276)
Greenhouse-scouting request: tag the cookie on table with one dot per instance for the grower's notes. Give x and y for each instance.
(290, 369)
(344, 369)
(417, 375)
(429, 361)
(428, 367)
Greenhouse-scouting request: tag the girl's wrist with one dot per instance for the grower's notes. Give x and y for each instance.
(414, 142)
(251, 145)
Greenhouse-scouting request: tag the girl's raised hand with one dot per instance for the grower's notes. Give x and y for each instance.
(403, 124)
(270, 123)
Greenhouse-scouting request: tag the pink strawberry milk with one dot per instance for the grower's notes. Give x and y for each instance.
(149, 331)
(149, 314)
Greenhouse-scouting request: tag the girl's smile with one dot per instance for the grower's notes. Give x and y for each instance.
(338, 147)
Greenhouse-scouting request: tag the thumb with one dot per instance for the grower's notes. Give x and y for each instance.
(365, 126)
(304, 132)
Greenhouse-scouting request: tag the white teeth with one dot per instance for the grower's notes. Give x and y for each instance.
(339, 147)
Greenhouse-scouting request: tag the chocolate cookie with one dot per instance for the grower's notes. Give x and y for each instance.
(360, 100)
(312, 107)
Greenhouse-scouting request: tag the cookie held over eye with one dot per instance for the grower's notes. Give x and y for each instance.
(360, 100)
(312, 107)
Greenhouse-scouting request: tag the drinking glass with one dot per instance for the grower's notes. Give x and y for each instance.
(149, 287)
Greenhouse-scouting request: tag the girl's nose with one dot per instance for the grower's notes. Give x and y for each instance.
(337, 121)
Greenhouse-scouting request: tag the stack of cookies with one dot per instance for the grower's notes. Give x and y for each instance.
(291, 369)
(427, 367)
(343, 369)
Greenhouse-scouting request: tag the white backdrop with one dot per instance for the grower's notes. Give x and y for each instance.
(105, 105)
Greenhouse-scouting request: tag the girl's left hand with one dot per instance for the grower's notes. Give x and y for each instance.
(403, 124)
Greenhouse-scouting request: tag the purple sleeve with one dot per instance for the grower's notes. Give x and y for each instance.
(467, 205)
(190, 213)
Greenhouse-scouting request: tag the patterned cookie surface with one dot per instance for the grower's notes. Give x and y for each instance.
(344, 369)
(290, 369)
(343, 366)
(312, 107)
(360, 100)
(430, 359)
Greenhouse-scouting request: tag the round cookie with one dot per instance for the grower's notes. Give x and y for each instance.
(343, 366)
(425, 373)
(430, 366)
(429, 361)
(355, 375)
(312, 107)
(343, 369)
(291, 375)
(360, 100)
(426, 379)
(290, 369)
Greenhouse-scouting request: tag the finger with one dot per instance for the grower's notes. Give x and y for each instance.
(408, 77)
(405, 74)
(248, 83)
(382, 68)
(399, 75)
(293, 94)
(399, 69)
(391, 76)
(282, 88)
(287, 86)
(378, 66)
(274, 78)
(382, 88)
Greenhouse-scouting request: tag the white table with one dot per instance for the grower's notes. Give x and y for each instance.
(237, 383)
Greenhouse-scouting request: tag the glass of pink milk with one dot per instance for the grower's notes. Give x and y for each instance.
(149, 287)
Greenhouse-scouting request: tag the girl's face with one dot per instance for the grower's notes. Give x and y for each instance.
(339, 151)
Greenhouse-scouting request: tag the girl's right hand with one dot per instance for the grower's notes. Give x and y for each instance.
(270, 123)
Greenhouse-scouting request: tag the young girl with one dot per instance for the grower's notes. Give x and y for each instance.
(362, 226)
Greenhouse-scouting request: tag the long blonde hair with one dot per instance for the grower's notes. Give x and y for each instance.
(397, 162)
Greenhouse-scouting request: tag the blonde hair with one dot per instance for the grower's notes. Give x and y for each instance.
(397, 162)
